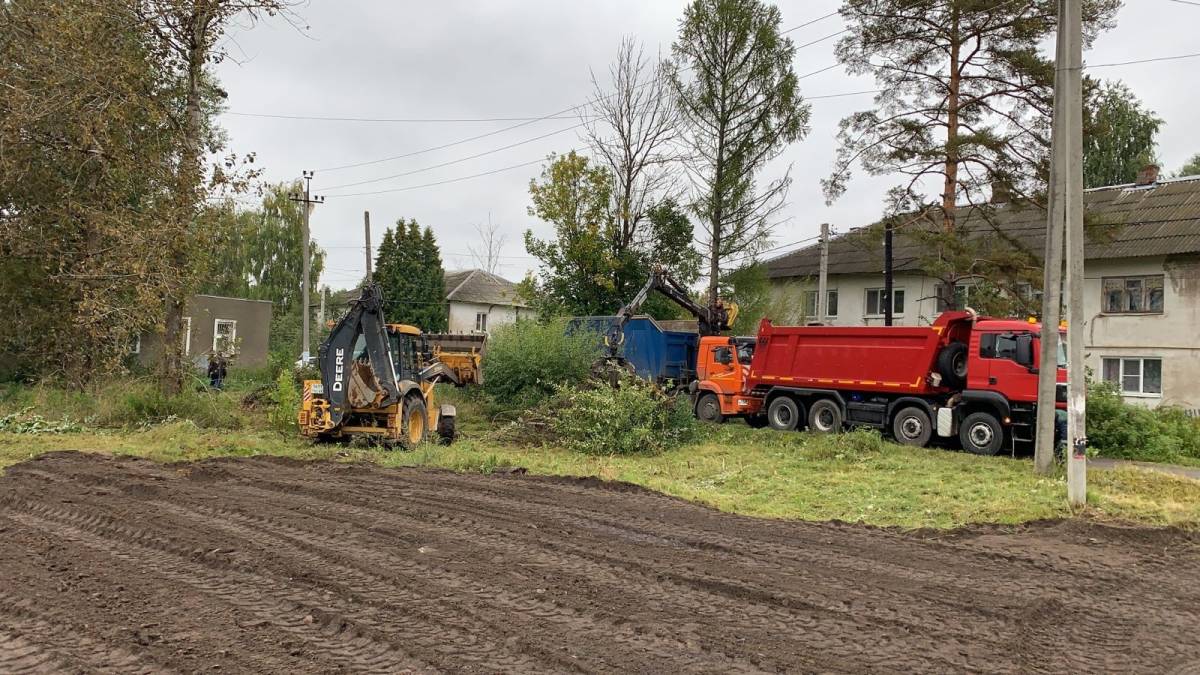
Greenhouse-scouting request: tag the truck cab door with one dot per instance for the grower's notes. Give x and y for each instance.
(999, 351)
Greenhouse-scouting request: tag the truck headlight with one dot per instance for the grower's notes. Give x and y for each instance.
(317, 389)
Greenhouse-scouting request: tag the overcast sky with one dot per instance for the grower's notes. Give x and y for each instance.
(527, 59)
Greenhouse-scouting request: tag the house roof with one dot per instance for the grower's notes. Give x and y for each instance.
(481, 287)
(1125, 221)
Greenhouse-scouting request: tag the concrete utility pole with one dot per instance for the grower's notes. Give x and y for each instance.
(823, 276)
(321, 311)
(367, 235)
(1065, 221)
(309, 201)
(1070, 27)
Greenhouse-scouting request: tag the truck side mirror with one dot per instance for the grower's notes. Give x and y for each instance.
(1024, 354)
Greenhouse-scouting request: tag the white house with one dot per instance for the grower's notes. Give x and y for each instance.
(480, 301)
(1141, 283)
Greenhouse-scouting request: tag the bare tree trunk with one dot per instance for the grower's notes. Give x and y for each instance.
(950, 187)
(171, 371)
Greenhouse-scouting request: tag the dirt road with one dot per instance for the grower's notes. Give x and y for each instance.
(261, 565)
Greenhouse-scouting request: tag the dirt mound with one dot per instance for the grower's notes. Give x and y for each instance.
(257, 565)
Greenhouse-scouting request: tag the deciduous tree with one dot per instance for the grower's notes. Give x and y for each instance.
(740, 103)
(1118, 134)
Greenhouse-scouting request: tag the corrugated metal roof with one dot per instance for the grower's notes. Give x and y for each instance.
(1124, 221)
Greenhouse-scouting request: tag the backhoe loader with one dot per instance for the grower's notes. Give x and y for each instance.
(378, 380)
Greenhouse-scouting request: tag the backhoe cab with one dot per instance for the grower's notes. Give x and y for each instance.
(378, 380)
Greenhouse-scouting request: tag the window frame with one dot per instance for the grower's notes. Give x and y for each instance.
(217, 333)
(867, 301)
(137, 344)
(186, 325)
(1145, 292)
(481, 322)
(1141, 375)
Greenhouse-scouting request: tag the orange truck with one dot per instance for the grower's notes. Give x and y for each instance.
(964, 376)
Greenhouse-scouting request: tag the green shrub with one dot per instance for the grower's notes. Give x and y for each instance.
(283, 414)
(852, 446)
(27, 422)
(1121, 430)
(527, 360)
(633, 418)
(142, 404)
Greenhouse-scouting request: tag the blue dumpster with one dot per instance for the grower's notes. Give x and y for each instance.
(662, 356)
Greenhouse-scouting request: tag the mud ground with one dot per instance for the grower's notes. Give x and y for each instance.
(268, 565)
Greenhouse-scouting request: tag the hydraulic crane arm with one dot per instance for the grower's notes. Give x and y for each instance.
(336, 355)
(712, 319)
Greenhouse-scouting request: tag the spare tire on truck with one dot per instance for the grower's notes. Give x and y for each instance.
(952, 365)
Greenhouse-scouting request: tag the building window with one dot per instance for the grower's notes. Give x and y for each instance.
(186, 327)
(809, 303)
(1135, 377)
(224, 336)
(481, 322)
(136, 348)
(1133, 295)
(875, 306)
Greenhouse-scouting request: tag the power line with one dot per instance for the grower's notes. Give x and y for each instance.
(532, 120)
(412, 120)
(440, 182)
(1187, 2)
(1130, 63)
(456, 161)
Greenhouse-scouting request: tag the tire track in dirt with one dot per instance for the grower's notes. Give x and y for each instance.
(430, 570)
(356, 646)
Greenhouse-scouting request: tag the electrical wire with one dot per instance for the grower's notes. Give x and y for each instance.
(1130, 63)
(440, 182)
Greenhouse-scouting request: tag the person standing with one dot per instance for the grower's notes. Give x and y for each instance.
(216, 371)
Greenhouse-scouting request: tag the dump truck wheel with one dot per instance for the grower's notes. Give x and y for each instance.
(981, 434)
(708, 408)
(784, 414)
(415, 427)
(911, 426)
(952, 365)
(825, 417)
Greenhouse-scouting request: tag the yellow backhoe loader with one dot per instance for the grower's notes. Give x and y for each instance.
(378, 380)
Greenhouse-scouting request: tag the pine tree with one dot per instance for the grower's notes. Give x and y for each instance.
(409, 270)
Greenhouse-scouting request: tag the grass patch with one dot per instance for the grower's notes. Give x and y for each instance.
(856, 477)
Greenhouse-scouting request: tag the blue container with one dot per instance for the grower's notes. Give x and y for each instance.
(658, 355)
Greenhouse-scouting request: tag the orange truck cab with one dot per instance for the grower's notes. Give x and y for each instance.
(970, 377)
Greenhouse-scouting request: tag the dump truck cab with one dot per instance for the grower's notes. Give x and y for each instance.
(722, 370)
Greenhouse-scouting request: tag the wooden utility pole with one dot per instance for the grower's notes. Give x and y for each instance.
(1070, 31)
(309, 201)
(888, 281)
(367, 235)
(823, 277)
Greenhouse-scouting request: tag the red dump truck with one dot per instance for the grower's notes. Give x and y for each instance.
(967, 377)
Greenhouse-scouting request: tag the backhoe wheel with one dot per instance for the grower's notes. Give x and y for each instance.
(825, 416)
(784, 413)
(708, 408)
(415, 423)
(911, 426)
(446, 430)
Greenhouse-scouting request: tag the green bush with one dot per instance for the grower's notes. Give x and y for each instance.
(141, 404)
(527, 360)
(1118, 429)
(283, 414)
(635, 417)
(852, 446)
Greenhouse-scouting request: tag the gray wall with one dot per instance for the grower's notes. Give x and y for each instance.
(253, 331)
